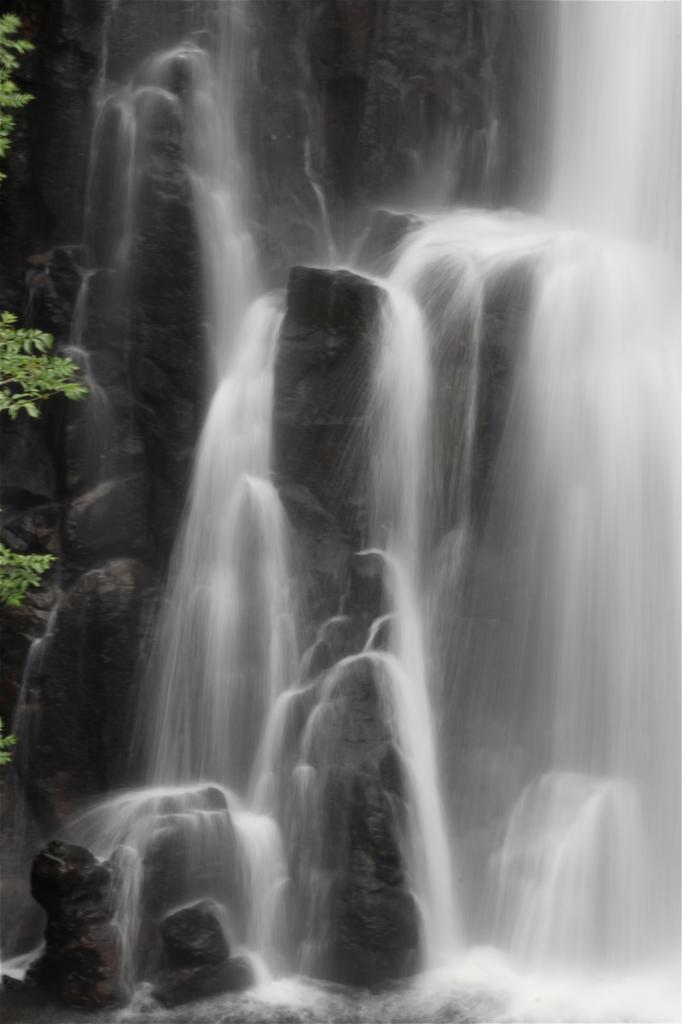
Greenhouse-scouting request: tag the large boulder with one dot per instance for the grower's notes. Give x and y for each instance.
(190, 852)
(322, 389)
(76, 736)
(167, 343)
(197, 957)
(322, 383)
(194, 935)
(81, 960)
(186, 984)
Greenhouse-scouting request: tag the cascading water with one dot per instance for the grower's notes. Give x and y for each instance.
(228, 625)
(502, 732)
(584, 512)
(398, 438)
(226, 644)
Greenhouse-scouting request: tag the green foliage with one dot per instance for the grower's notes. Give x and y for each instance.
(28, 375)
(5, 743)
(18, 573)
(11, 97)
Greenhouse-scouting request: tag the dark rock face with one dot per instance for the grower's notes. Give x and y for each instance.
(108, 520)
(382, 239)
(347, 855)
(352, 865)
(78, 735)
(374, 83)
(185, 858)
(166, 338)
(376, 916)
(186, 984)
(80, 963)
(393, 103)
(508, 302)
(321, 387)
(378, 95)
(99, 483)
(322, 382)
(197, 956)
(194, 936)
(375, 924)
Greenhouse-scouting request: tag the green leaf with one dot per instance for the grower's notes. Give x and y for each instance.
(5, 743)
(18, 573)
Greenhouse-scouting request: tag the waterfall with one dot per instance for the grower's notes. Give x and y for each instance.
(225, 644)
(398, 438)
(472, 770)
(227, 626)
(599, 514)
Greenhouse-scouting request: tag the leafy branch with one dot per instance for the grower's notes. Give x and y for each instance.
(18, 573)
(11, 97)
(5, 743)
(28, 375)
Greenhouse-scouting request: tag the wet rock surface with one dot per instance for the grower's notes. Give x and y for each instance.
(197, 957)
(367, 75)
(382, 240)
(101, 484)
(392, 104)
(80, 963)
(76, 708)
(184, 858)
(194, 935)
(187, 984)
(354, 862)
(322, 379)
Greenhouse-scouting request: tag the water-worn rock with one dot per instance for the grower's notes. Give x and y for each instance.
(386, 231)
(350, 859)
(321, 554)
(506, 308)
(322, 381)
(80, 962)
(76, 708)
(190, 853)
(322, 389)
(71, 884)
(167, 346)
(185, 984)
(108, 521)
(194, 936)
(196, 957)
(376, 90)
(53, 282)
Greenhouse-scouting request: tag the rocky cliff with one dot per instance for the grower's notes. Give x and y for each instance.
(350, 105)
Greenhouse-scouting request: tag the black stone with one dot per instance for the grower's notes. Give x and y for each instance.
(386, 231)
(194, 936)
(81, 960)
(77, 706)
(186, 984)
(322, 381)
(357, 864)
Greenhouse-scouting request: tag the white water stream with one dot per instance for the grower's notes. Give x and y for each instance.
(547, 869)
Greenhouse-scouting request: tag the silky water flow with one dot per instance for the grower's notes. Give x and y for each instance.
(535, 709)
